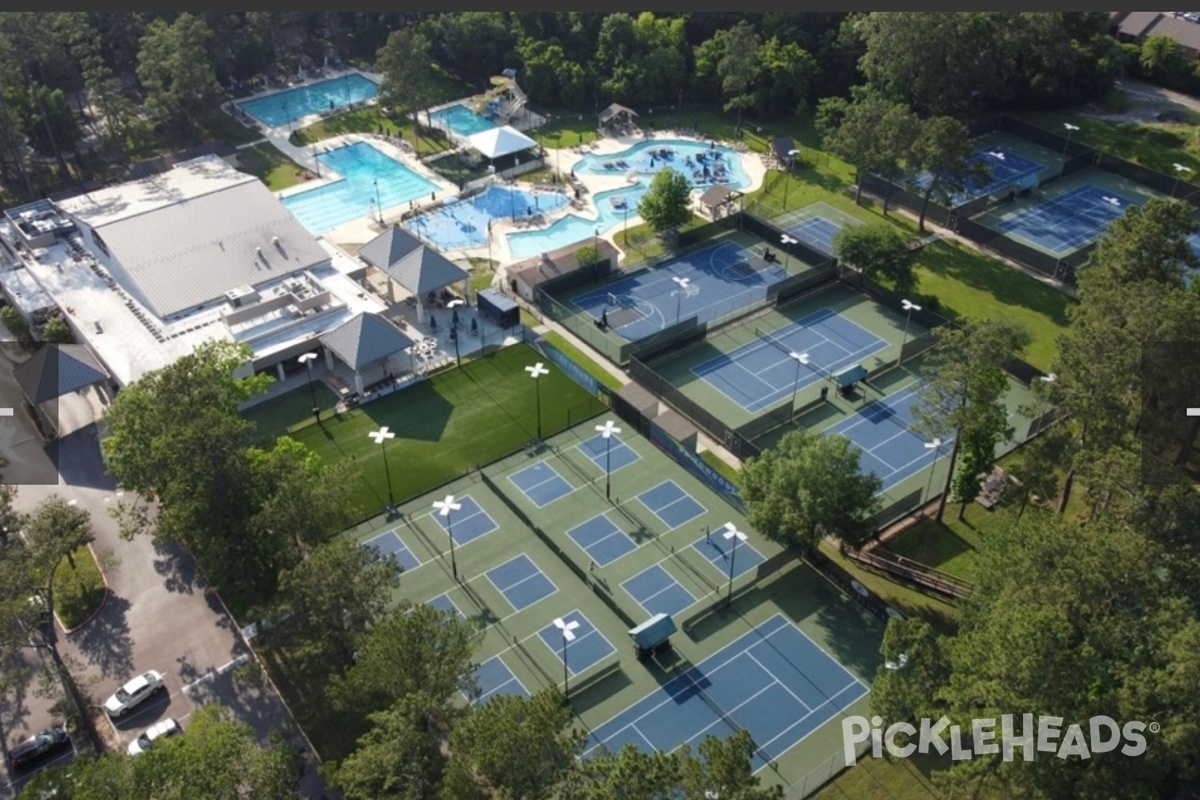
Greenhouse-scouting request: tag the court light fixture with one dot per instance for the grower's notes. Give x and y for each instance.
(443, 508)
(935, 446)
(800, 358)
(608, 430)
(536, 372)
(381, 436)
(785, 240)
(732, 534)
(568, 635)
(908, 307)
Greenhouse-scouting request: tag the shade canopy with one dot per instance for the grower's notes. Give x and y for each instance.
(497, 142)
(56, 370)
(366, 339)
(425, 270)
(615, 110)
(715, 195)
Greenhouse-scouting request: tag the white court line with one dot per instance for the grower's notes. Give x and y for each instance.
(903, 394)
(806, 716)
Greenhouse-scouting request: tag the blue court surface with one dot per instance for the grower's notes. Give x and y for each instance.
(773, 682)
(889, 448)
(761, 373)
(817, 232)
(657, 592)
(468, 523)
(671, 504)
(1068, 222)
(521, 582)
(493, 678)
(1005, 169)
(443, 603)
(718, 551)
(602, 540)
(389, 544)
(541, 484)
(724, 278)
(587, 649)
(598, 450)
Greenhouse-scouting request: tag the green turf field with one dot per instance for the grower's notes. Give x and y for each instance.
(618, 679)
(445, 426)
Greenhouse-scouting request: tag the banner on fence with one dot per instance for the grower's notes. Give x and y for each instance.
(694, 464)
(575, 372)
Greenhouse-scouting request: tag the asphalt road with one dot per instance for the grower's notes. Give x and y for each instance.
(158, 615)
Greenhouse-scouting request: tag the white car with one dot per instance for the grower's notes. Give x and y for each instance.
(133, 693)
(163, 728)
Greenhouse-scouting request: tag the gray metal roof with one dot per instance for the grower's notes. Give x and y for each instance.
(716, 194)
(425, 270)
(366, 339)
(58, 369)
(388, 247)
(192, 250)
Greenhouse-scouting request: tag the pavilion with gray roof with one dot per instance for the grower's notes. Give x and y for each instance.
(416, 266)
(368, 343)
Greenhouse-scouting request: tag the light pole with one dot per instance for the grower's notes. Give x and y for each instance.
(536, 372)
(453, 304)
(1070, 130)
(443, 508)
(1180, 169)
(908, 307)
(307, 360)
(785, 240)
(316, 160)
(737, 536)
(607, 430)
(788, 181)
(935, 446)
(800, 358)
(684, 283)
(568, 635)
(381, 436)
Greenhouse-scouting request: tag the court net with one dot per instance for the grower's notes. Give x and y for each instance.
(776, 343)
(712, 704)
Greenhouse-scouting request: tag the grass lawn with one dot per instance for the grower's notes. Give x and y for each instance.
(219, 126)
(78, 590)
(940, 613)
(370, 120)
(582, 359)
(727, 472)
(884, 779)
(640, 242)
(482, 273)
(1158, 147)
(446, 426)
(268, 164)
(948, 547)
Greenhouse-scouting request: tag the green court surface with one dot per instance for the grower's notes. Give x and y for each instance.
(449, 424)
(656, 544)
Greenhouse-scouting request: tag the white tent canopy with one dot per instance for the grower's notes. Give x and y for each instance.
(500, 141)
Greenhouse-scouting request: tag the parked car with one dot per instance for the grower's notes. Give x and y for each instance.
(36, 746)
(159, 730)
(133, 693)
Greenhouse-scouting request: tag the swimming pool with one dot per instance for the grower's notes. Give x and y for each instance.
(646, 158)
(464, 223)
(461, 120)
(278, 109)
(366, 173)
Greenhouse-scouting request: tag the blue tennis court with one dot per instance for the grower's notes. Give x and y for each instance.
(657, 592)
(468, 523)
(761, 373)
(817, 232)
(671, 504)
(1068, 222)
(890, 448)
(521, 582)
(718, 551)
(587, 649)
(443, 603)
(774, 682)
(1005, 169)
(541, 483)
(723, 278)
(389, 544)
(601, 539)
(493, 677)
(597, 449)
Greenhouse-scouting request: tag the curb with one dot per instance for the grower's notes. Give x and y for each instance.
(99, 608)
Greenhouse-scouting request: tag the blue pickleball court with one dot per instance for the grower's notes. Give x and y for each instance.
(521, 582)
(1070, 221)
(494, 678)
(597, 449)
(656, 591)
(588, 648)
(443, 603)
(671, 504)
(602, 540)
(390, 544)
(718, 551)
(541, 483)
(816, 232)
(468, 523)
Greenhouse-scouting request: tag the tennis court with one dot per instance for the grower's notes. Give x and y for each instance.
(817, 232)
(673, 506)
(773, 682)
(493, 677)
(1004, 169)
(705, 284)
(890, 448)
(1070, 221)
(763, 372)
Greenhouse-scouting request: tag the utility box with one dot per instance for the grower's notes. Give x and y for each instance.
(652, 635)
(498, 308)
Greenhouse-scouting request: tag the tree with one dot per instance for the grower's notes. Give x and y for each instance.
(877, 251)
(941, 151)
(667, 204)
(400, 758)
(1162, 60)
(723, 768)
(739, 68)
(810, 486)
(872, 133)
(416, 649)
(629, 774)
(176, 71)
(512, 746)
(122, 125)
(407, 68)
(57, 331)
(50, 124)
(785, 79)
(963, 395)
(327, 603)
(1148, 243)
